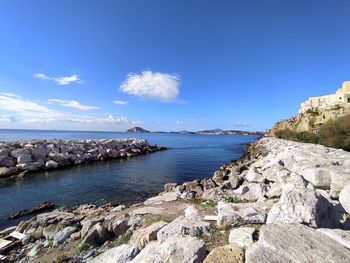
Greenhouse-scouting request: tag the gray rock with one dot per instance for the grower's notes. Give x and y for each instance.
(240, 214)
(97, 235)
(50, 231)
(339, 235)
(253, 176)
(183, 226)
(7, 162)
(175, 250)
(18, 152)
(38, 153)
(300, 204)
(121, 254)
(319, 177)
(295, 243)
(339, 180)
(63, 234)
(51, 164)
(24, 158)
(344, 198)
(249, 191)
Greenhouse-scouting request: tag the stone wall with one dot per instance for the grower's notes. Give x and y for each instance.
(341, 98)
(24, 156)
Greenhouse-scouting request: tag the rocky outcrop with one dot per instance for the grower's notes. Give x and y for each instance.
(36, 155)
(295, 243)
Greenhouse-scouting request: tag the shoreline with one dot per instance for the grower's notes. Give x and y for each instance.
(278, 189)
(19, 158)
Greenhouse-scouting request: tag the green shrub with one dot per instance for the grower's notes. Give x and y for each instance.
(83, 247)
(336, 133)
(286, 134)
(308, 137)
(232, 199)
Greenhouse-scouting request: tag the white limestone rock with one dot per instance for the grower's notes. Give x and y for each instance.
(240, 214)
(183, 226)
(344, 198)
(242, 236)
(120, 254)
(175, 250)
(295, 243)
(62, 235)
(339, 235)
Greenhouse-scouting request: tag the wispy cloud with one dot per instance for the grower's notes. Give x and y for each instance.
(72, 104)
(59, 80)
(179, 122)
(152, 85)
(120, 102)
(7, 119)
(30, 112)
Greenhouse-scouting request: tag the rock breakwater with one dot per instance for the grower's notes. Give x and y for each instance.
(283, 202)
(27, 156)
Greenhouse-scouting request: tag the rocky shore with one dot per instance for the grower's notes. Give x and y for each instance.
(36, 155)
(283, 202)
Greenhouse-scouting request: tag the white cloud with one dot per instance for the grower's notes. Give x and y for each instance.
(29, 112)
(178, 122)
(72, 104)
(120, 102)
(59, 80)
(7, 119)
(152, 85)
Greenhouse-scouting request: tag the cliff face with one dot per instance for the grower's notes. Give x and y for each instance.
(316, 111)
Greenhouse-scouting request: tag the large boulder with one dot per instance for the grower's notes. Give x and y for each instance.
(121, 254)
(97, 235)
(295, 243)
(300, 203)
(183, 226)
(240, 214)
(344, 198)
(141, 237)
(339, 180)
(175, 250)
(319, 177)
(339, 235)
(62, 235)
(249, 191)
(225, 254)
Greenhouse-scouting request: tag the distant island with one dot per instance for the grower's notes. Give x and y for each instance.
(137, 129)
(212, 132)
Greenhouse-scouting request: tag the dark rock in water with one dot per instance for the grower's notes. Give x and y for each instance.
(137, 129)
(40, 208)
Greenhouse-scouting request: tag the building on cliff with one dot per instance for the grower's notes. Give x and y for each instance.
(341, 98)
(316, 111)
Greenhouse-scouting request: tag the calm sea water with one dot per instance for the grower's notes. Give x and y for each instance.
(189, 157)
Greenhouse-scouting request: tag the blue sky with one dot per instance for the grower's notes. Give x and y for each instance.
(167, 65)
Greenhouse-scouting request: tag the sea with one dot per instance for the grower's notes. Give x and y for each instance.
(126, 181)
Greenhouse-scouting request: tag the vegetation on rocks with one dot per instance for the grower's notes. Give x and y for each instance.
(334, 133)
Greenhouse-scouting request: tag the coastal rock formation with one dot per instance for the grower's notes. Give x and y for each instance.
(26, 156)
(293, 217)
(315, 111)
